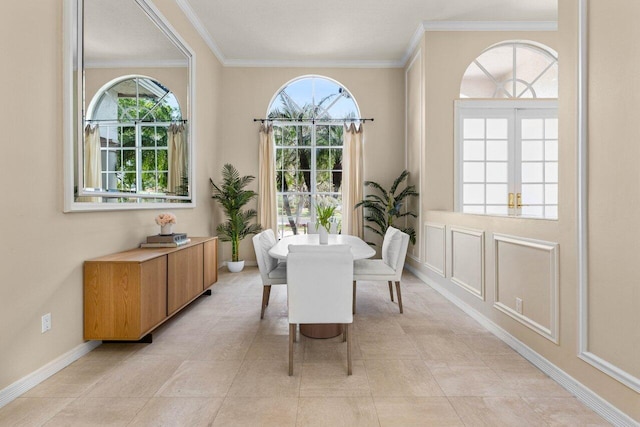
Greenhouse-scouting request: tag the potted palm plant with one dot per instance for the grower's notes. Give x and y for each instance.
(383, 208)
(232, 196)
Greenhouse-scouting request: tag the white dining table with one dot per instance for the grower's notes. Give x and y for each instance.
(359, 249)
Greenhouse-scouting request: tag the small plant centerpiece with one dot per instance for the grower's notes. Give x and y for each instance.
(383, 208)
(232, 196)
(166, 221)
(324, 213)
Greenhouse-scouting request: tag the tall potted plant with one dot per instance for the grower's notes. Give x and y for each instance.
(232, 196)
(383, 208)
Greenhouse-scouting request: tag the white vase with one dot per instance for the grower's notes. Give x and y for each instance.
(235, 266)
(323, 235)
(166, 229)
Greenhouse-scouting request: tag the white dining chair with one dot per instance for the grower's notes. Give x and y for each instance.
(272, 272)
(389, 268)
(318, 289)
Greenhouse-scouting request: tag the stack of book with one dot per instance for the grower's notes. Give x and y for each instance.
(166, 240)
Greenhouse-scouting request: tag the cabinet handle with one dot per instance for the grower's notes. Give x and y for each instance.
(512, 203)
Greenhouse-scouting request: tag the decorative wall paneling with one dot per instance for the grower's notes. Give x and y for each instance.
(467, 260)
(435, 243)
(586, 286)
(527, 269)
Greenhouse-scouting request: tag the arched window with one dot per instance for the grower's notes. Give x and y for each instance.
(507, 148)
(308, 114)
(512, 70)
(137, 124)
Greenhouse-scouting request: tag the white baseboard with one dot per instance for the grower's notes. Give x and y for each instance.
(33, 379)
(605, 409)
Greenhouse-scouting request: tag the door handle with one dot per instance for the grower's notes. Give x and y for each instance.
(519, 200)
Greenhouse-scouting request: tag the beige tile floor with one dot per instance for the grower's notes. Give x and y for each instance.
(216, 363)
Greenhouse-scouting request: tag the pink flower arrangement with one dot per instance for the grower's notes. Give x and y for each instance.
(166, 218)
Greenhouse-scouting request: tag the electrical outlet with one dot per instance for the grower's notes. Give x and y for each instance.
(46, 322)
(519, 305)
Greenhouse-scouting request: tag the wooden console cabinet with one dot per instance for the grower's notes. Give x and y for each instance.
(130, 293)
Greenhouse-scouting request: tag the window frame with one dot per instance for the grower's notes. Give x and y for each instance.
(498, 108)
(515, 45)
(138, 148)
(313, 193)
(144, 118)
(314, 121)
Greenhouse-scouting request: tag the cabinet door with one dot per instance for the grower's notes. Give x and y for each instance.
(210, 262)
(185, 276)
(153, 293)
(111, 300)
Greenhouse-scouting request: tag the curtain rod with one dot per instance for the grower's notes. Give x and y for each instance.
(135, 121)
(357, 119)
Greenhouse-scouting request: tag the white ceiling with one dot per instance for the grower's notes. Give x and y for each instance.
(360, 33)
(339, 32)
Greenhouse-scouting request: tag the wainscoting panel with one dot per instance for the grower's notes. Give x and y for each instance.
(467, 260)
(435, 247)
(526, 282)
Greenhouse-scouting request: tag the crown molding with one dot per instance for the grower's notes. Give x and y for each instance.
(137, 63)
(197, 24)
(473, 26)
(276, 63)
(413, 43)
(490, 25)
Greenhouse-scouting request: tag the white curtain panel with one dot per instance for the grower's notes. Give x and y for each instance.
(267, 210)
(177, 156)
(92, 161)
(353, 179)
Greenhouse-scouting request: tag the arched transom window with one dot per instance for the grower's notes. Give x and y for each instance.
(308, 116)
(512, 70)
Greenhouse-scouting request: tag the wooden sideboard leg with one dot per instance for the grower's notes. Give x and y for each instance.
(207, 292)
(147, 339)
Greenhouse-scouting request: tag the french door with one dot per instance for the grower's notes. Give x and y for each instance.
(507, 158)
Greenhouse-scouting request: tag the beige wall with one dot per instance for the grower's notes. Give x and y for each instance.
(613, 269)
(247, 93)
(41, 261)
(42, 267)
(614, 198)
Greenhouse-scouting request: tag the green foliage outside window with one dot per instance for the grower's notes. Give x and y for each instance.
(139, 115)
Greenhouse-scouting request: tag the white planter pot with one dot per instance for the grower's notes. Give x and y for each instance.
(166, 230)
(235, 267)
(323, 235)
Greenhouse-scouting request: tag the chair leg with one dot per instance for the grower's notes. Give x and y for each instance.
(354, 297)
(391, 289)
(292, 332)
(348, 334)
(399, 296)
(266, 290)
